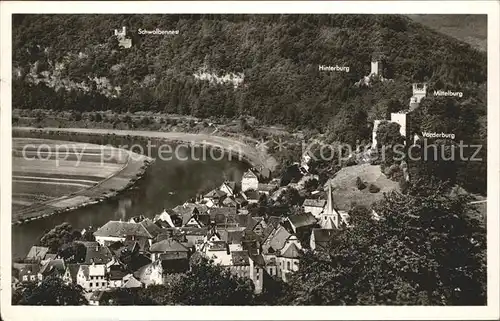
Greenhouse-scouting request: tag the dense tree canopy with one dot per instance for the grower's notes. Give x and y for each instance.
(425, 250)
(52, 291)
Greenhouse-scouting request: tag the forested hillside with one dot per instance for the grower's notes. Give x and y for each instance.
(267, 66)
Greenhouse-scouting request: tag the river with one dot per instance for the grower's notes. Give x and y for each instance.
(166, 184)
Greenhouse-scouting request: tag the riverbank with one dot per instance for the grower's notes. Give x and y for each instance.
(67, 174)
(254, 156)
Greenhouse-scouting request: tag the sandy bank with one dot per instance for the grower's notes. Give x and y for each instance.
(251, 154)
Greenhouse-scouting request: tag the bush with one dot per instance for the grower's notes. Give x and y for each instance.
(373, 188)
(360, 184)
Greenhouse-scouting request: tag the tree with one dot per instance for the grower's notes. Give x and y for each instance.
(425, 249)
(290, 197)
(59, 235)
(209, 284)
(360, 184)
(73, 252)
(52, 291)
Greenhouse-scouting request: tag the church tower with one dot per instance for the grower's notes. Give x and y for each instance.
(330, 217)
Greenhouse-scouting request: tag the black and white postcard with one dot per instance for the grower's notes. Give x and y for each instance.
(271, 160)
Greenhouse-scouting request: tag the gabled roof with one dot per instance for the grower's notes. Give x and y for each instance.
(229, 201)
(73, 270)
(240, 258)
(116, 273)
(151, 227)
(123, 229)
(51, 266)
(202, 219)
(278, 239)
(274, 220)
(301, 220)
(132, 282)
(230, 184)
(215, 193)
(27, 269)
(178, 265)
(217, 246)
(84, 268)
(266, 187)
(231, 237)
(37, 253)
(292, 252)
(314, 203)
(98, 255)
(190, 208)
(250, 174)
(322, 235)
(168, 245)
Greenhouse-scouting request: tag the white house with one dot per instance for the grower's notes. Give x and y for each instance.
(249, 181)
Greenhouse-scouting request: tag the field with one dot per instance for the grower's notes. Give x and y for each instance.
(345, 191)
(50, 175)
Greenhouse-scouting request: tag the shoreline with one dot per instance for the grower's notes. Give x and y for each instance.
(246, 152)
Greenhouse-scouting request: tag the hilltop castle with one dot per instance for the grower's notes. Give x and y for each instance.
(123, 41)
(403, 117)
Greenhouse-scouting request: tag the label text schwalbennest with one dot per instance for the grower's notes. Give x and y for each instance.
(157, 32)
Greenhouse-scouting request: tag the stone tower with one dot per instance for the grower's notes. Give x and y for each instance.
(419, 91)
(376, 68)
(374, 133)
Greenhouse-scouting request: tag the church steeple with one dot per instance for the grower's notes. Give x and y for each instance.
(330, 213)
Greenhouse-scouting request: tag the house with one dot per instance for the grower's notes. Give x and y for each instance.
(98, 254)
(320, 238)
(267, 188)
(196, 220)
(223, 216)
(170, 246)
(174, 262)
(150, 274)
(115, 276)
(36, 254)
(70, 275)
(114, 231)
(230, 202)
(215, 197)
(288, 260)
(276, 240)
(299, 221)
(228, 187)
(256, 225)
(165, 218)
(314, 206)
(218, 251)
(252, 196)
(249, 181)
(92, 277)
(28, 272)
(129, 281)
(54, 267)
(243, 265)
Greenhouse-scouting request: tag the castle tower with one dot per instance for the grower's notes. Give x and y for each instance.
(376, 68)
(402, 120)
(374, 133)
(419, 91)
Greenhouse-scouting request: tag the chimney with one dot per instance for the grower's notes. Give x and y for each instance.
(124, 30)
